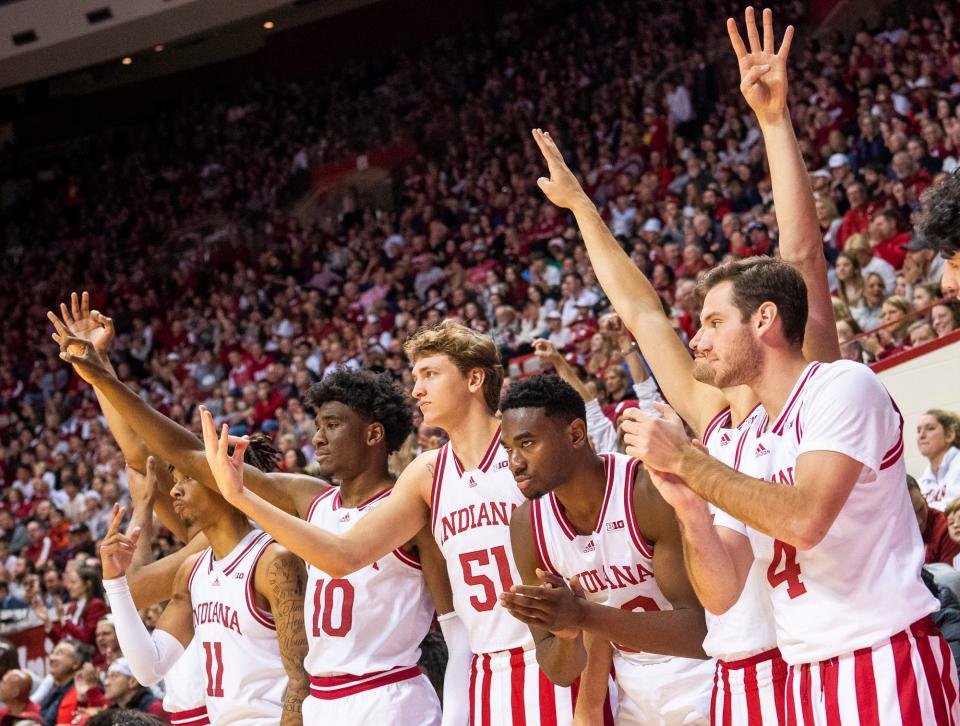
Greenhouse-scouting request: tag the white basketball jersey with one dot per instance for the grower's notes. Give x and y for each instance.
(185, 694)
(614, 562)
(372, 620)
(747, 627)
(244, 677)
(470, 519)
(861, 583)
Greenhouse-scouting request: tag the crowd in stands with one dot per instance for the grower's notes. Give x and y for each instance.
(182, 231)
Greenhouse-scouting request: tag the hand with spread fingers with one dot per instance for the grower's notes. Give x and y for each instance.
(226, 468)
(116, 552)
(79, 321)
(763, 71)
(562, 187)
(82, 355)
(554, 606)
(658, 441)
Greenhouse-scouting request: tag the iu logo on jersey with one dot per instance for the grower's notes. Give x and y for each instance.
(725, 439)
(614, 526)
(762, 450)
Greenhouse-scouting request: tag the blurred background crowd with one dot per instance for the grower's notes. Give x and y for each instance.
(188, 232)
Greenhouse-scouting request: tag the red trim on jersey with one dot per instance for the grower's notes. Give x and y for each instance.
(734, 665)
(330, 688)
(608, 490)
(338, 502)
(782, 418)
(539, 539)
(561, 516)
(639, 541)
(196, 566)
(193, 717)
(866, 685)
(437, 483)
(739, 451)
(261, 616)
(231, 566)
(714, 424)
(518, 669)
(407, 559)
(548, 701)
(895, 451)
(745, 418)
(487, 458)
(311, 510)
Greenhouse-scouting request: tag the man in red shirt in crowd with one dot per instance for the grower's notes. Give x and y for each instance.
(40, 547)
(15, 697)
(886, 240)
(856, 220)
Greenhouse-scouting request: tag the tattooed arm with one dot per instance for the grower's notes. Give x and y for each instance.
(281, 579)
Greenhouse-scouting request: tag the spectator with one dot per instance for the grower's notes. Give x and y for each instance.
(869, 314)
(123, 691)
(123, 717)
(945, 318)
(922, 264)
(849, 280)
(78, 619)
(938, 433)
(17, 707)
(61, 700)
(849, 349)
(933, 528)
(886, 239)
(39, 546)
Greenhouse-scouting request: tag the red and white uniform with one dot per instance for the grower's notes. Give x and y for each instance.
(243, 675)
(185, 695)
(852, 614)
(750, 679)
(615, 566)
(470, 519)
(364, 633)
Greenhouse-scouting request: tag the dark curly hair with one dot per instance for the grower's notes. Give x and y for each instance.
(261, 454)
(374, 396)
(939, 222)
(552, 393)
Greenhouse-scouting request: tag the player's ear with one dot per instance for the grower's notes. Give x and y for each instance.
(577, 430)
(765, 317)
(475, 378)
(375, 433)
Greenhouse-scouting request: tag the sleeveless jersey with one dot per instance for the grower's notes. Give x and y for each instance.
(470, 519)
(746, 628)
(238, 648)
(836, 597)
(374, 619)
(185, 694)
(614, 562)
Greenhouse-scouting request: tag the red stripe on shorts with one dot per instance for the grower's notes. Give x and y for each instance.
(727, 716)
(791, 701)
(806, 695)
(866, 684)
(517, 702)
(485, 691)
(946, 657)
(473, 689)
(906, 679)
(754, 711)
(932, 678)
(713, 696)
(548, 701)
(830, 683)
(778, 670)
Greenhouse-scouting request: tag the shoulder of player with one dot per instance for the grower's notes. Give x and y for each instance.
(300, 482)
(654, 517)
(848, 379)
(276, 566)
(181, 581)
(420, 472)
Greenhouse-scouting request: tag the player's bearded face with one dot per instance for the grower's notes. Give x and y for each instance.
(738, 357)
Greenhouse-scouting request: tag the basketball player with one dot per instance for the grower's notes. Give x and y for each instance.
(358, 664)
(938, 224)
(226, 597)
(466, 493)
(823, 465)
(750, 673)
(600, 519)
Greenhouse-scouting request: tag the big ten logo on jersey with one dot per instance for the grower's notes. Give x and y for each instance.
(615, 526)
(484, 514)
(613, 577)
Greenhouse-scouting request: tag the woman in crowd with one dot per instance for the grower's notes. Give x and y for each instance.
(945, 318)
(79, 618)
(938, 435)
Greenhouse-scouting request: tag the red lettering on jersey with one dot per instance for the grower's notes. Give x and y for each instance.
(490, 514)
(616, 577)
(784, 476)
(218, 613)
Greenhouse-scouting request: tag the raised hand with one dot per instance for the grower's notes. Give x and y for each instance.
(658, 441)
(116, 552)
(763, 72)
(143, 487)
(546, 351)
(226, 468)
(676, 493)
(82, 356)
(81, 322)
(552, 605)
(562, 188)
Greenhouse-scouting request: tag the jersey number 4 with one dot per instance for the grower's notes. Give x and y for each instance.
(325, 605)
(213, 653)
(482, 559)
(790, 573)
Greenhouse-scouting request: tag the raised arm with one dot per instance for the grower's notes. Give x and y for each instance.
(172, 442)
(764, 83)
(632, 295)
(282, 579)
(387, 527)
